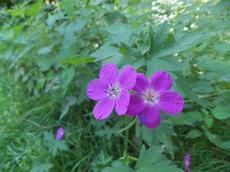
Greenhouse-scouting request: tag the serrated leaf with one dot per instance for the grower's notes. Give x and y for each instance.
(117, 166)
(41, 166)
(54, 145)
(152, 159)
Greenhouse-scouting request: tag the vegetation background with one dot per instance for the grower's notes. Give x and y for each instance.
(49, 50)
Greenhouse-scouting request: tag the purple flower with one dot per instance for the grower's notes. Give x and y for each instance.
(111, 90)
(152, 96)
(187, 162)
(60, 133)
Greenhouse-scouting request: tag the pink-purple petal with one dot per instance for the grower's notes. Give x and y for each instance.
(171, 102)
(127, 77)
(150, 117)
(96, 89)
(109, 73)
(141, 83)
(122, 102)
(103, 108)
(161, 81)
(136, 105)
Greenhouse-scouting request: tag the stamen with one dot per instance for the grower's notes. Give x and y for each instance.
(114, 91)
(150, 96)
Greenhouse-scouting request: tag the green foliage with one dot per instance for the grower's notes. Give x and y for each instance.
(50, 51)
(153, 159)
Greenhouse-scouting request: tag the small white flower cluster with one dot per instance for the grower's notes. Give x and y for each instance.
(54, 3)
(166, 10)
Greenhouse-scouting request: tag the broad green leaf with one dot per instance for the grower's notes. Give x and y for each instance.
(216, 140)
(218, 67)
(167, 63)
(221, 112)
(202, 87)
(188, 118)
(147, 134)
(120, 33)
(222, 47)
(106, 51)
(194, 133)
(182, 44)
(152, 159)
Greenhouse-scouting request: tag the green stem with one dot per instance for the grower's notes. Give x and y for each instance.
(128, 126)
(126, 140)
(133, 158)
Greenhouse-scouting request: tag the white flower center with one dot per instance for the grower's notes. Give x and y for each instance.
(150, 96)
(114, 90)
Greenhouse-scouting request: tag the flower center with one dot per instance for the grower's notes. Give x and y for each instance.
(150, 96)
(114, 91)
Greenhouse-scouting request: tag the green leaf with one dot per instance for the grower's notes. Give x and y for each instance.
(188, 118)
(161, 35)
(67, 76)
(66, 106)
(6, 35)
(117, 166)
(120, 33)
(106, 51)
(147, 134)
(221, 112)
(44, 50)
(216, 140)
(35, 8)
(54, 145)
(153, 160)
(202, 87)
(194, 133)
(77, 60)
(182, 44)
(219, 67)
(41, 166)
(68, 7)
(151, 40)
(167, 63)
(222, 47)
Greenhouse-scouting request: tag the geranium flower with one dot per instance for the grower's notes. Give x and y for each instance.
(152, 96)
(187, 162)
(111, 90)
(60, 133)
